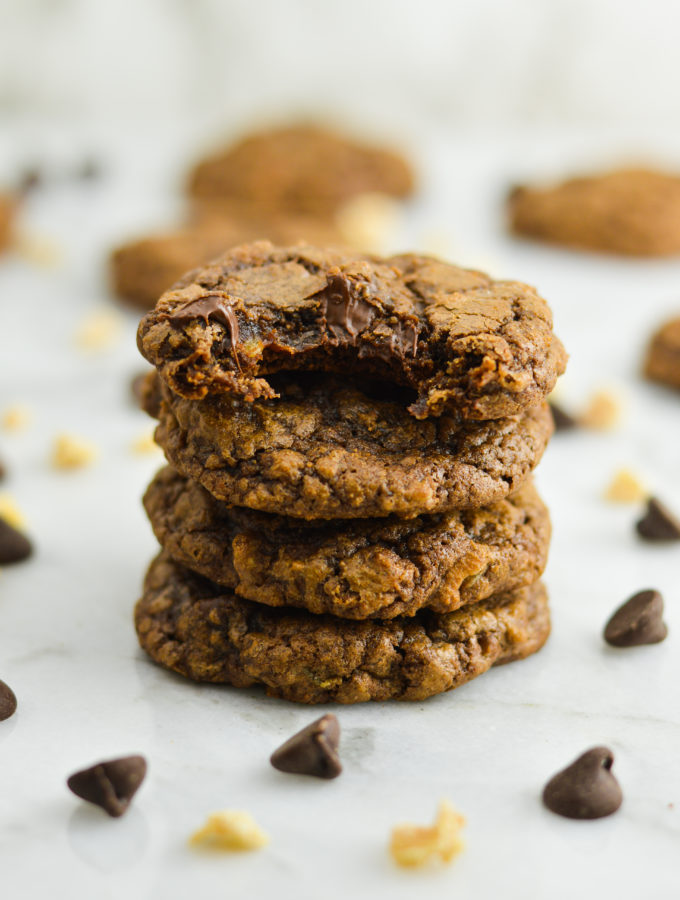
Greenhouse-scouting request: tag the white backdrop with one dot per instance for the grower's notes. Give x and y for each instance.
(399, 65)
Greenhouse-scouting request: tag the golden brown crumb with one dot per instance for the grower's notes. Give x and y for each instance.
(415, 845)
(72, 453)
(230, 829)
(625, 487)
(603, 411)
(369, 221)
(16, 418)
(99, 330)
(39, 250)
(11, 513)
(145, 444)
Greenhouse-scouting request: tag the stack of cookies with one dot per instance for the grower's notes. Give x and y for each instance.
(348, 514)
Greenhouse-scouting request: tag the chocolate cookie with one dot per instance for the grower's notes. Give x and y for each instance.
(662, 362)
(327, 449)
(300, 169)
(354, 569)
(634, 212)
(189, 625)
(462, 342)
(142, 270)
(7, 205)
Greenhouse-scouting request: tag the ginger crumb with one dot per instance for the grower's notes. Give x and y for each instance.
(99, 330)
(369, 221)
(145, 444)
(230, 829)
(603, 411)
(625, 487)
(38, 250)
(16, 418)
(11, 513)
(415, 845)
(72, 453)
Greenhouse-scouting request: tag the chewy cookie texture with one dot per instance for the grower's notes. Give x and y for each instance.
(191, 626)
(327, 449)
(463, 343)
(353, 569)
(348, 515)
(633, 212)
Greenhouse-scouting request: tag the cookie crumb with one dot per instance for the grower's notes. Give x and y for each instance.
(230, 829)
(41, 251)
(603, 411)
(11, 513)
(16, 418)
(625, 487)
(72, 453)
(98, 330)
(145, 444)
(369, 221)
(416, 845)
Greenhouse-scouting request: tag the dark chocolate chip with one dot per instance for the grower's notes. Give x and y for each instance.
(111, 784)
(658, 523)
(89, 170)
(312, 751)
(638, 621)
(8, 702)
(14, 546)
(586, 789)
(561, 419)
(29, 180)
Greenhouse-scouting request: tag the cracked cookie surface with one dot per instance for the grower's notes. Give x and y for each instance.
(633, 212)
(354, 569)
(327, 449)
(463, 343)
(191, 626)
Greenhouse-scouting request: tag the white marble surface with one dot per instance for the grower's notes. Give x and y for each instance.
(86, 692)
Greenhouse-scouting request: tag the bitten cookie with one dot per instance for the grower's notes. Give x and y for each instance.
(465, 344)
(331, 449)
(662, 362)
(354, 569)
(300, 169)
(634, 212)
(143, 269)
(191, 626)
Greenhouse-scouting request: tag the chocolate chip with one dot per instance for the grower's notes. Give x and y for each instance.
(561, 419)
(8, 702)
(638, 621)
(312, 751)
(14, 546)
(30, 179)
(89, 170)
(111, 784)
(658, 523)
(586, 789)
(3, 470)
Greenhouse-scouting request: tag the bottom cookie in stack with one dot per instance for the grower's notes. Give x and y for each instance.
(196, 628)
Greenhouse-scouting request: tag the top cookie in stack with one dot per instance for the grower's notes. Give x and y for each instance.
(313, 384)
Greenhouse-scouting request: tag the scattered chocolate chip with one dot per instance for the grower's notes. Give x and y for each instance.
(312, 751)
(638, 621)
(561, 419)
(8, 701)
(658, 523)
(111, 784)
(89, 170)
(586, 789)
(29, 180)
(3, 470)
(14, 546)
